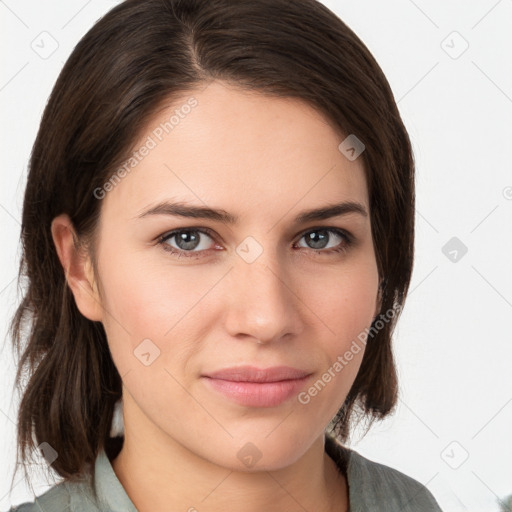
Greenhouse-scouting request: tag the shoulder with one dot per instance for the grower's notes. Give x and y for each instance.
(381, 484)
(95, 489)
(62, 497)
(56, 498)
(377, 487)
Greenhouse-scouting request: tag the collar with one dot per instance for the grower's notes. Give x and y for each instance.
(110, 493)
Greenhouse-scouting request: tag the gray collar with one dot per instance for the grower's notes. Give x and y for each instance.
(110, 493)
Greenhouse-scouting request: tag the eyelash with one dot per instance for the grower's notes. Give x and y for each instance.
(342, 248)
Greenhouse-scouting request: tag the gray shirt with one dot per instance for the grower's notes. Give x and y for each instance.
(372, 487)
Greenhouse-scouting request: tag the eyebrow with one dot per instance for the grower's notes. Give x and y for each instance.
(180, 209)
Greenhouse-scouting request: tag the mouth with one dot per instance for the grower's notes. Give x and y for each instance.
(255, 387)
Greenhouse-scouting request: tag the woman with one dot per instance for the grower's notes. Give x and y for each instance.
(217, 229)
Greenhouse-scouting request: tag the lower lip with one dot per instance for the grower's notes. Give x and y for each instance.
(258, 394)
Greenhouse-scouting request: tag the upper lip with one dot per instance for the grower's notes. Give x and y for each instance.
(253, 374)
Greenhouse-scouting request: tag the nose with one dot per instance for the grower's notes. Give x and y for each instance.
(262, 300)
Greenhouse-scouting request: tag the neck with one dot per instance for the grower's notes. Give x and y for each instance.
(160, 474)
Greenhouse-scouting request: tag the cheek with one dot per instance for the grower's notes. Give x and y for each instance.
(347, 311)
(344, 299)
(142, 302)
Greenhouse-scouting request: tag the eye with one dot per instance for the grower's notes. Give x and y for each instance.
(319, 240)
(187, 240)
(191, 242)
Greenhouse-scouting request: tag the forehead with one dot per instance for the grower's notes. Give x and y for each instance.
(243, 151)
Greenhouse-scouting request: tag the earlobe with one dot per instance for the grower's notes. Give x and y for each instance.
(77, 268)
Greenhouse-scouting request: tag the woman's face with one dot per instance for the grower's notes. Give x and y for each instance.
(264, 290)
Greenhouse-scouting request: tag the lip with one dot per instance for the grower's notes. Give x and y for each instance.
(258, 387)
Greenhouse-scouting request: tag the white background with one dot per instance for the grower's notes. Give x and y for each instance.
(453, 342)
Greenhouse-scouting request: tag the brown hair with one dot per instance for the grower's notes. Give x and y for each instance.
(134, 60)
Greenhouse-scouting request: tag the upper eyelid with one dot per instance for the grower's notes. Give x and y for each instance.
(173, 232)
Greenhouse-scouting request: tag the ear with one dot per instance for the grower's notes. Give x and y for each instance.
(77, 267)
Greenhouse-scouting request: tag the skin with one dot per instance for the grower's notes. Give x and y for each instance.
(265, 160)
